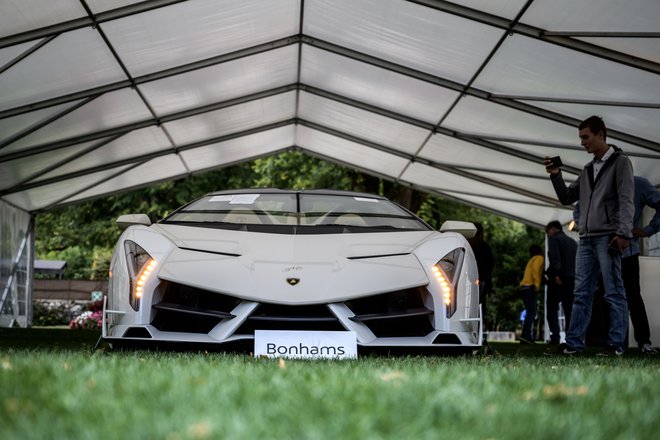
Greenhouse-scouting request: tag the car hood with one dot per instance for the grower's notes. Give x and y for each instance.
(293, 269)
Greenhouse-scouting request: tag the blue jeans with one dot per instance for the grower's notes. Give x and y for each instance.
(529, 299)
(592, 259)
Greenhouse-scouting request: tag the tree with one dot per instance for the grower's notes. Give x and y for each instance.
(295, 170)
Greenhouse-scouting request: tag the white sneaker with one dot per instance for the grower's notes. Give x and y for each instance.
(648, 349)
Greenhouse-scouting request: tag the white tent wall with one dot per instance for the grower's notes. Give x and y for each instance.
(649, 269)
(650, 246)
(16, 263)
(462, 98)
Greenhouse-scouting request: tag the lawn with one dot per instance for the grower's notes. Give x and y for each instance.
(53, 386)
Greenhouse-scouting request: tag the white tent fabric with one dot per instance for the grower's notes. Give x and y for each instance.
(462, 99)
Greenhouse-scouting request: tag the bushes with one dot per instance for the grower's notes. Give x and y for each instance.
(90, 319)
(54, 312)
(75, 314)
(82, 263)
(87, 320)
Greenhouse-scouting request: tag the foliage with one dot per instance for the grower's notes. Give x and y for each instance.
(87, 320)
(101, 257)
(511, 249)
(294, 170)
(58, 312)
(91, 317)
(46, 313)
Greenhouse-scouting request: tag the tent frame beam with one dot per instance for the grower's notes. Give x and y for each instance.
(560, 39)
(570, 40)
(359, 56)
(138, 160)
(82, 22)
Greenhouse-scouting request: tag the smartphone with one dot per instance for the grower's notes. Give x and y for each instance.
(555, 162)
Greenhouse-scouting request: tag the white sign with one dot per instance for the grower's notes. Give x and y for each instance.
(305, 344)
(236, 199)
(221, 198)
(244, 199)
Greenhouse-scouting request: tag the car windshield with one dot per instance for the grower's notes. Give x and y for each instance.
(297, 213)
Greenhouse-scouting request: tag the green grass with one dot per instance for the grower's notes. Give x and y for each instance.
(53, 387)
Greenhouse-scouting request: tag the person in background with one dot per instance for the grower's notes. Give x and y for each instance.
(529, 287)
(561, 278)
(485, 264)
(605, 190)
(645, 195)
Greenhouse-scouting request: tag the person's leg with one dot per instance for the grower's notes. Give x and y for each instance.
(567, 288)
(529, 298)
(615, 294)
(552, 304)
(586, 271)
(640, 322)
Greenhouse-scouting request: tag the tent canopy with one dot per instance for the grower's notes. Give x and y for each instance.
(461, 99)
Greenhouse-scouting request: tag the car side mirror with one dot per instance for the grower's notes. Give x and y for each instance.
(126, 220)
(467, 229)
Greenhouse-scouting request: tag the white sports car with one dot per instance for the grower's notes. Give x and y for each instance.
(233, 262)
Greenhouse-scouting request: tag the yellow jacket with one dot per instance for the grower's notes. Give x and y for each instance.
(533, 272)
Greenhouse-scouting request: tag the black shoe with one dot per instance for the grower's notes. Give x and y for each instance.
(648, 349)
(610, 351)
(526, 341)
(560, 350)
(550, 347)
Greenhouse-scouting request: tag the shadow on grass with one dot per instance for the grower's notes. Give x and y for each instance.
(48, 338)
(51, 338)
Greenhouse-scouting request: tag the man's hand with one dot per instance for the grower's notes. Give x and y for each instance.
(548, 166)
(620, 242)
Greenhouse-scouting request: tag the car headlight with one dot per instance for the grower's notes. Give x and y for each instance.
(140, 267)
(446, 272)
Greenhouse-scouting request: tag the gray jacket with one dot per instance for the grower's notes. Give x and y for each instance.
(606, 203)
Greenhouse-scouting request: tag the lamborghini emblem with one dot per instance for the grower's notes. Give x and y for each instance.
(293, 281)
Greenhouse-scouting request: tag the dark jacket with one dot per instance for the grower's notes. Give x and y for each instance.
(561, 256)
(606, 202)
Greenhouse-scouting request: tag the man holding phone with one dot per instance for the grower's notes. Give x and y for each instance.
(605, 191)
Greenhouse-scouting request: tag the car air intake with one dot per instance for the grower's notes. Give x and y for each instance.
(447, 338)
(395, 314)
(191, 310)
(137, 332)
(281, 317)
